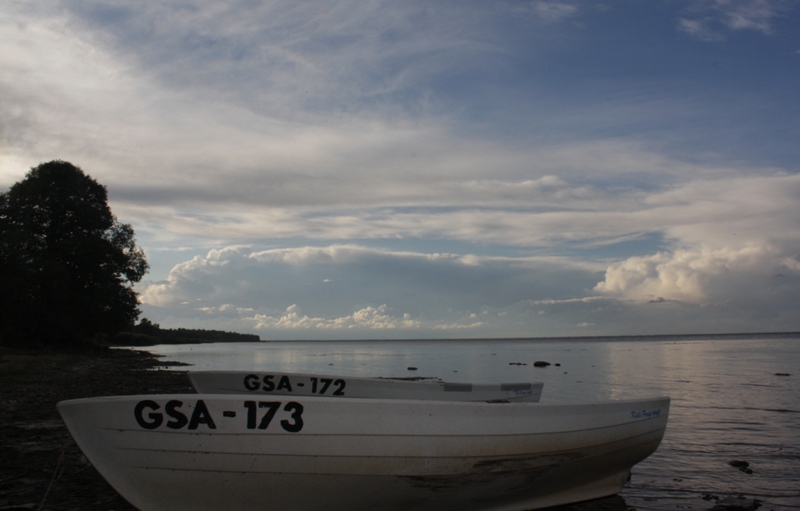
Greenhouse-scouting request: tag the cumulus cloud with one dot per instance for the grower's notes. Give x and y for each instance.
(694, 276)
(732, 244)
(368, 318)
(356, 289)
(356, 292)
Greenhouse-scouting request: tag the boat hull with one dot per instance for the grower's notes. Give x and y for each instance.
(298, 384)
(202, 451)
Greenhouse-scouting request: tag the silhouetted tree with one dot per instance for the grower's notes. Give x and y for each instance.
(67, 266)
(147, 327)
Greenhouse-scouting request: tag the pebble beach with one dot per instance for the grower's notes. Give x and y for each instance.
(41, 467)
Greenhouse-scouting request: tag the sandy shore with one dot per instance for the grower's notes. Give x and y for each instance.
(41, 468)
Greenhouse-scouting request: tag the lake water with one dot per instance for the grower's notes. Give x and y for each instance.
(732, 398)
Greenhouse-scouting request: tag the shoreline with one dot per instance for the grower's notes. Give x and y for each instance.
(41, 467)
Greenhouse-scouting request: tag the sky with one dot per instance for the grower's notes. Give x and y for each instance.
(429, 169)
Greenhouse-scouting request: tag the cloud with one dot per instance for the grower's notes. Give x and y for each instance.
(349, 291)
(793, 264)
(449, 167)
(736, 212)
(586, 299)
(731, 243)
(355, 289)
(456, 326)
(545, 212)
(751, 15)
(711, 20)
(295, 59)
(694, 276)
(548, 11)
(368, 318)
(287, 90)
(699, 29)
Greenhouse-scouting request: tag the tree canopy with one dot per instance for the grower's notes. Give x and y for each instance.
(67, 266)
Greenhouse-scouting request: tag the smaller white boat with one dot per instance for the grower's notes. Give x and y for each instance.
(298, 384)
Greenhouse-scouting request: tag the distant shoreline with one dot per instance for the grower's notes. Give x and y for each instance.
(586, 338)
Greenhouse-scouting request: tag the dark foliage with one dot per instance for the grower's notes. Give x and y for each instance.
(147, 333)
(67, 265)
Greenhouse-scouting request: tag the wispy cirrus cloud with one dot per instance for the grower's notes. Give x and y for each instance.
(712, 20)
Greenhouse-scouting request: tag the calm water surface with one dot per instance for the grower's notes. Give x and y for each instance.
(732, 399)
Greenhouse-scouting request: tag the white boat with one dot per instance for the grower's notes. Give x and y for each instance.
(212, 452)
(297, 384)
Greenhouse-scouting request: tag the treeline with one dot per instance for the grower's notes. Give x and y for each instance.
(147, 333)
